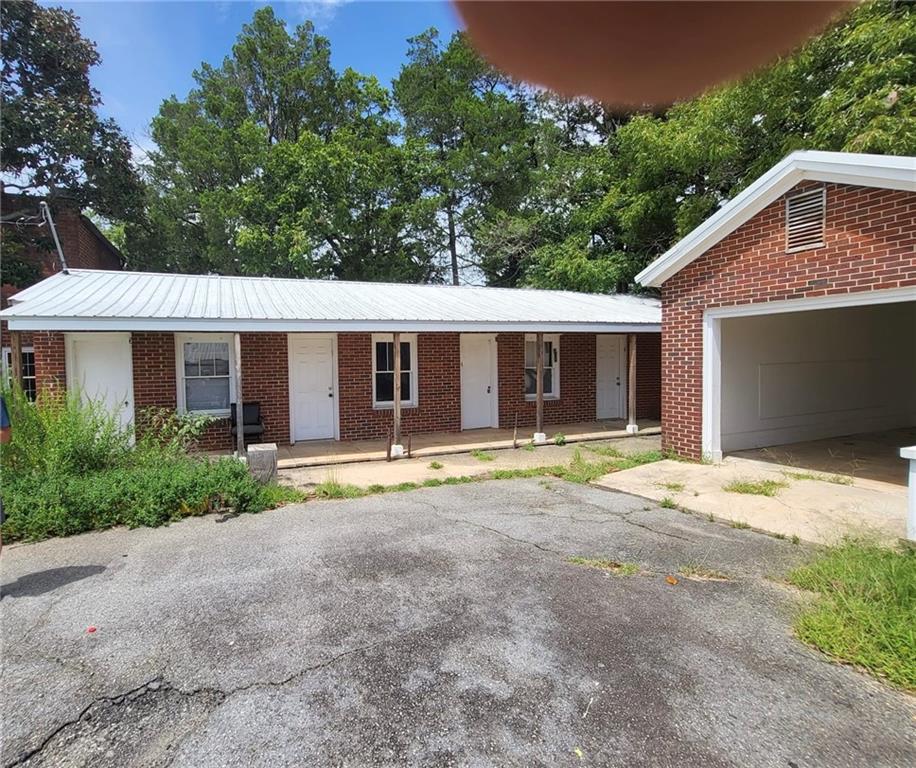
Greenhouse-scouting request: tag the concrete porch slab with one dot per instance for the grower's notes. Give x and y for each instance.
(815, 510)
(326, 452)
(417, 469)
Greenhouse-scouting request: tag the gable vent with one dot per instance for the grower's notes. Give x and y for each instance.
(805, 219)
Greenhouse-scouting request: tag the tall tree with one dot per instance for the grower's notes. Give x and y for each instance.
(601, 209)
(469, 126)
(277, 164)
(53, 141)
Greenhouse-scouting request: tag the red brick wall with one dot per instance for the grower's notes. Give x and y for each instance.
(265, 380)
(438, 391)
(648, 375)
(870, 244)
(50, 360)
(577, 381)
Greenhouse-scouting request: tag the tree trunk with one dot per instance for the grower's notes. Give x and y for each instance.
(452, 241)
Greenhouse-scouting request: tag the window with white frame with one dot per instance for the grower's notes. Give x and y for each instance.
(28, 369)
(205, 373)
(383, 370)
(551, 366)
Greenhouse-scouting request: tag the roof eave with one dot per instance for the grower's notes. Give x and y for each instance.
(186, 325)
(797, 167)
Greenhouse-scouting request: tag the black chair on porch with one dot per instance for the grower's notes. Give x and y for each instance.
(252, 423)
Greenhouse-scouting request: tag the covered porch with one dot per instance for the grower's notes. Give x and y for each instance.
(325, 452)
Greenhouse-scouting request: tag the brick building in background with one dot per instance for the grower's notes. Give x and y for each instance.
(790, 314)
(28, 250)
(317, 357)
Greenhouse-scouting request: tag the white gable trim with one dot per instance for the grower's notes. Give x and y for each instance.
(881, 171)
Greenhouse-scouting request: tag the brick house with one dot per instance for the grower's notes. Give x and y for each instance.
(790, 314)
(319, 357)
(84, 246)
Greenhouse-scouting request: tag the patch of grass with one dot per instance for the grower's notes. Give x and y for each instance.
(407, 486)
(779, 536)
(334, 489)
(755, 487)
(432, 482)
(546, 485)
(559, 439)
(835, 479)
(673, 487)
(605, 450)
(436, 465)
(740, 524)
(865, 607)
(612, 566)
(376, 488)
(275, 495)
(528, 447)
(699, 572)
(795, 539)
(482, 455)
(668, 503)
(711, 517)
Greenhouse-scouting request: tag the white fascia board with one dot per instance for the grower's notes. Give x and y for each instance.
(179, 325)
(883, 172)
(833, 301)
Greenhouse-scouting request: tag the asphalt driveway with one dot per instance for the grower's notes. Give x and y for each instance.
(435, 627)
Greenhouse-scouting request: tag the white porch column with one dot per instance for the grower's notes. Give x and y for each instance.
(910, 455)
(632, 427)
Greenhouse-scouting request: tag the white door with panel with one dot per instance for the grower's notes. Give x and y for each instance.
(479, 395)
(100, 367)
(611, 372)
(312, 395)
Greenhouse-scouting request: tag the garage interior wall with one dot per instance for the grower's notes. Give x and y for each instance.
(815, 374)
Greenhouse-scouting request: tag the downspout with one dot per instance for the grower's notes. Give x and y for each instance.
(46, 215)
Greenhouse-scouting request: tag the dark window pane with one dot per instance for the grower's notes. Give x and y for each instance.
(207, 367)
(548, 381)
(405, 356)
(222, 367)
(207, 394)
(384, 387)
(405, 386)
(28, 364)
(530, 381)
(384, 351)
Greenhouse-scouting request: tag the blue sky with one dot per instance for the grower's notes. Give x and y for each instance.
(150, 49)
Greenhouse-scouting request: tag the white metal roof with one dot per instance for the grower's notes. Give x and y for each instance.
(883, 171)
(86, 300)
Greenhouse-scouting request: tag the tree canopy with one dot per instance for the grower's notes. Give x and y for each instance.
(276, 163)
(53, 141)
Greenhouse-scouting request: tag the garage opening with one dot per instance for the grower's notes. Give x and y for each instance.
(833, 390)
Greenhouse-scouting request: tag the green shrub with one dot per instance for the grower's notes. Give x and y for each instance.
(70, 467)
(559, 438)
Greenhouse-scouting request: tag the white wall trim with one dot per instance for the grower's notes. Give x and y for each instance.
(204, 325)
(834, 301)
(290, 340)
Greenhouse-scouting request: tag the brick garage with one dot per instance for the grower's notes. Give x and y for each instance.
(868, 248)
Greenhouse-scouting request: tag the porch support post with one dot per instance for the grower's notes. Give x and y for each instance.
(239, 402)
(910, 455)
(539, 436)
(397, 449)
(632, 427)
(16, 358)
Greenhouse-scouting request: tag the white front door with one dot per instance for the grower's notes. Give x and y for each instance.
(479, 398)
(100, 367)
(312, 395)
(611, 371)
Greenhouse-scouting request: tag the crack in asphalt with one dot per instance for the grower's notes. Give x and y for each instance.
(158, 685)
